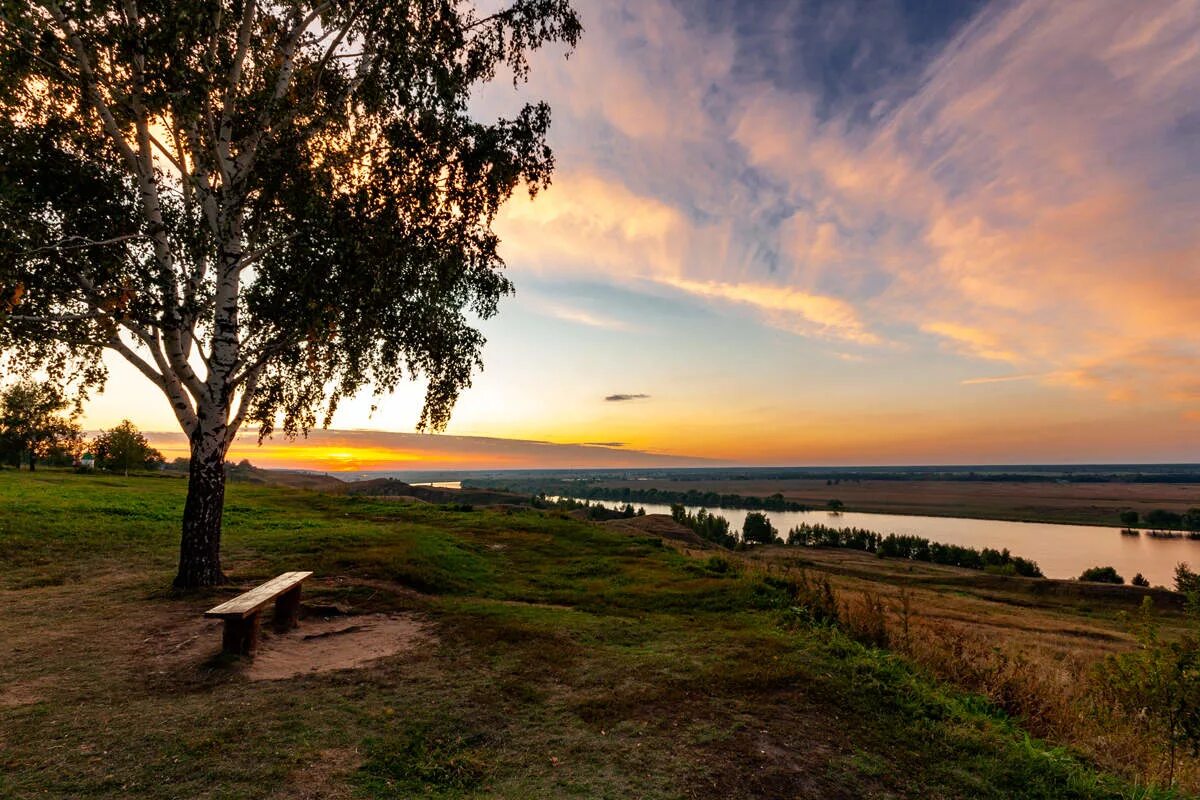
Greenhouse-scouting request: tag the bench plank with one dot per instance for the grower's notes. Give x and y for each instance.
(249, 602)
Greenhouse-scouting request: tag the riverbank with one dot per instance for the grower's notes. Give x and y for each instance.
(1062, 503)
(675, 674)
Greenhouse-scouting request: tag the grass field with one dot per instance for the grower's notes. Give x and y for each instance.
(1074, 503)
(563, 659)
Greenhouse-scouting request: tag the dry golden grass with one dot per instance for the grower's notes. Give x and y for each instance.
(1029, 646)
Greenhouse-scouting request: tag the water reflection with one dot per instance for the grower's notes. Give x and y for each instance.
(1062, 551)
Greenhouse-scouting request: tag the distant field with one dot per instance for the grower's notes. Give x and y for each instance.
(1080, 503)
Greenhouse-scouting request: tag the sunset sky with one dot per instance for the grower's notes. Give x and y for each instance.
(833, 233)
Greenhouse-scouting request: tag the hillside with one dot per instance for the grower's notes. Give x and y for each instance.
(528, 655)
(392, 487)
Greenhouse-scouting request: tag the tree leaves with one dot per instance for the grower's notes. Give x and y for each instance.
(308, 205)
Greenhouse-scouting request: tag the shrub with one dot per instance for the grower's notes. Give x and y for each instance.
(1186, 581)
(866, 620)
(1157, 688)
(757, 528)
(815, 601)
(1101, 575)
(1161, 518)
(1140, 580)
(720, 566)
(914, 548)
(710, 527)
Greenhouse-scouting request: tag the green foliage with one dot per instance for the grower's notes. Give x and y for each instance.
(816, 603)
(596, 511)
(914, 548)
(719, 565)
(835, 505)
(1163, 519)
(1140, 580)
(123, 448)
(328, 146)
(710, 527)
(1129, 518)
(1101, 575)
(263, 207)
(424, 759)
(585, 490)
(757, 529)
(1186, 580)
(1157, 687)
(37, 422)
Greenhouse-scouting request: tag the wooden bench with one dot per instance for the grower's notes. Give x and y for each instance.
(242, 613)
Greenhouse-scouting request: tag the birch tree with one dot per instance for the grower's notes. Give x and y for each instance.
(263, 206)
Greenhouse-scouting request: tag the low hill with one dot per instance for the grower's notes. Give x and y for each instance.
(296, 479)
(391, 487)
(661, 525)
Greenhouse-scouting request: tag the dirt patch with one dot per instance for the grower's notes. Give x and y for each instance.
(13, 695)
(182, 646)
(342, 643)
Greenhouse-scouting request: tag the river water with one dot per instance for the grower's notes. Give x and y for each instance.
(1062, 551)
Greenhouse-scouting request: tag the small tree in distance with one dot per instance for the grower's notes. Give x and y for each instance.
(1186, 580)
(123, 448)
(35, 421)
(1101, 575)
(758, 529)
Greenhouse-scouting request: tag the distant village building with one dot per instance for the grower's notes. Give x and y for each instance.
(88, 461)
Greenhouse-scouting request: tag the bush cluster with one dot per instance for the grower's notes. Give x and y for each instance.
(914, 548)
(709, 527)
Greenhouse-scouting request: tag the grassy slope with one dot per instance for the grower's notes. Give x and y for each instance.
(571, 661)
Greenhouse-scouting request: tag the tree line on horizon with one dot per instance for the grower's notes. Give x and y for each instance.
(1161, 519)
(652, 495)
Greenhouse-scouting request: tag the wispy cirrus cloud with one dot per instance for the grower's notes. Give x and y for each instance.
(1022, 189)
(581, 316)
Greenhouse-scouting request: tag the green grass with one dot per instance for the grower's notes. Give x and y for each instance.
(569, 661)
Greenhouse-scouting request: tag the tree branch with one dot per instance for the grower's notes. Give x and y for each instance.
(84, 242)
(255, 255)
(92, 86)
(249, 149)
(244, 404)
(184, 410)
(234, 79)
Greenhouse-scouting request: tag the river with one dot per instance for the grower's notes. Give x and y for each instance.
(1062, 551)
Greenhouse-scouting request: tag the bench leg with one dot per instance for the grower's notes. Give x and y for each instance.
(287, 609)
(241, 635)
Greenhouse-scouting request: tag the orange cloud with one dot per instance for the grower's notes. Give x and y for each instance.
(972, 341)
(787, 308)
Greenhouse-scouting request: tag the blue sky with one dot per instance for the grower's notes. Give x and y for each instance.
(853, 232)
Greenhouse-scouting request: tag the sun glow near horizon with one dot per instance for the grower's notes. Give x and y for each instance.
(932, 253)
